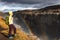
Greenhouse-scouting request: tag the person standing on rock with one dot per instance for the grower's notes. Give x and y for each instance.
(11, 25)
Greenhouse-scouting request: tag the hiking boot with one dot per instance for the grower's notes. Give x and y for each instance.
(14, 34)
(11, 37)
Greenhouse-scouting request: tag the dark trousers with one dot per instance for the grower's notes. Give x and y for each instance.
(12, 27)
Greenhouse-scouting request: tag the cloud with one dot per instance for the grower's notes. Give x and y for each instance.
(5, 7)
(32, 1)
(23, 1)
(14, 5)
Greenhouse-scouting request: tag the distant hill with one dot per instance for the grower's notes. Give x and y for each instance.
(51, 9)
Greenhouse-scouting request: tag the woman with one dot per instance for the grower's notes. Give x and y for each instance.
(11, 25)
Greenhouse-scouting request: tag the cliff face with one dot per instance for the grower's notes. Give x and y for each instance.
(43, 22)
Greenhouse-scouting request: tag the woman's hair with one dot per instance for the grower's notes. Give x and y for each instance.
(10, 13)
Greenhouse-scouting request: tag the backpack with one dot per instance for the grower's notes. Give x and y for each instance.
(7, 20)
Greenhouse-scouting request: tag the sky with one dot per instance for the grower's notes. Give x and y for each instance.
(14, 5)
